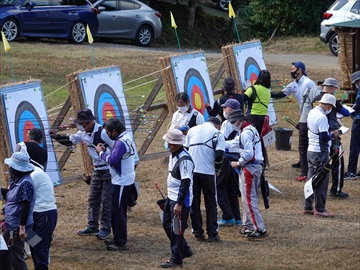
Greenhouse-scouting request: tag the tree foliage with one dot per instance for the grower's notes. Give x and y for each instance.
(291, 17)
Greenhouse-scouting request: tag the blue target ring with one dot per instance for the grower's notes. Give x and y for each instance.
(107, 105)
(26, 118)
(195, 87)
(252, 70)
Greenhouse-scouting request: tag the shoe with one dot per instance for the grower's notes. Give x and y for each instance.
(113, 247)
(103, 234)
(109, 241)
(358, 174)
(245, 231)
(170, 264)
(238, 222)
(215, 238)
(350, 176)
(302, 178)
(226, 222)
(257, 234)
(296, 165)
(339, 194)
(88, 231)
(188, 253)
(308, 212)
(200, 238)
(323, 214)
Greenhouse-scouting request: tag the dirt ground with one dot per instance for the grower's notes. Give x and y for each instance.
(295, 241)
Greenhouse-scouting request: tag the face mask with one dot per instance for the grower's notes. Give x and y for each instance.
(226, 116)
(80, 127)
(183, 109)
(166, 145)
(235, 127)
(293, 74)
(328, 111)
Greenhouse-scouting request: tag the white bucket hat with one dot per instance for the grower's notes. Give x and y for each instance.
(328, 99)
(174, 136)
(20, 162)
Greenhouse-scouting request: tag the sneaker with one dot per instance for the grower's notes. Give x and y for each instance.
(257, 234)
(88, 231)
(103, 234)
(296, 165)
(226, 222)
(350, 176)
(245, 231)
(113, 247)
(200, 238)
(188, 253)
(308, 212)
(238, 222)
(109, 241)
(339, 194)
(301, 178)
(323, 214)
(215, 238)
(170, 264)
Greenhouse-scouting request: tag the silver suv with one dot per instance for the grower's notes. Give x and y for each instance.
(340, 11)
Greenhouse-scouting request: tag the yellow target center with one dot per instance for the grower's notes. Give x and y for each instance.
(197, 101)
(108, 115)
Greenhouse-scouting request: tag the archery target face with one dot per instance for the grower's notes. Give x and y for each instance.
(249, 62)
(104, 96)
(192, 77)
(25, 109)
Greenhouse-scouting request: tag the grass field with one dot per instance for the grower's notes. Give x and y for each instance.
(295, 241)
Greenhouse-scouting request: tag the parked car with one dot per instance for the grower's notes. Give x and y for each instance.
(339, 11)
(128, 19)
(222, 4)
(65, 19)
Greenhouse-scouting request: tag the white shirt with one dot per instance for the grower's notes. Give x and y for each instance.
(317, 122)
(231, 146)
(45, 198)
(298, 88)
(250, 145)
(186, 171)
(180, 119)
(203, 155)
(306, 102)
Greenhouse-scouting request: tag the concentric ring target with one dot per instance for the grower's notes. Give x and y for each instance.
(107, 105)
(251, 70)
(26, 118)
(195, 87)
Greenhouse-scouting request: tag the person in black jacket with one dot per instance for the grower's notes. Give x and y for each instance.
(229, 92)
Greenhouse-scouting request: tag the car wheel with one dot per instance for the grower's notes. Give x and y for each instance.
(334, 45)
(144, 36)
(223, 4)
(10, 29)
(78, 33)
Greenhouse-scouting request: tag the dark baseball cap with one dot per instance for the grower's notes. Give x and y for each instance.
(300, 65)
(232, 103)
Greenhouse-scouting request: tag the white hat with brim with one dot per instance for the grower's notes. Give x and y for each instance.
(20, 162)
(328, 99)
(174, 136)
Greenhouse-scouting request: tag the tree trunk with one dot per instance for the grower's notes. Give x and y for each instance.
(192, 9)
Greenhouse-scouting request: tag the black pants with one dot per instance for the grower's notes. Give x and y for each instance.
(120, 195)
(354, 146)
(337, 171)
(178, 243)
(303, 146)
(206, 183)
(14, 257)
(227, 185)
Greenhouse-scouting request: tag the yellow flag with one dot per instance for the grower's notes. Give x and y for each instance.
(88, 32)
(173, 24)
(231, 11)
(6, 43)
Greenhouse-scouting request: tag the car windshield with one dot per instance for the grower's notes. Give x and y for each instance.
(9, 2)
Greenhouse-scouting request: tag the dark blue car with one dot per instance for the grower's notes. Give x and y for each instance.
(65, 19)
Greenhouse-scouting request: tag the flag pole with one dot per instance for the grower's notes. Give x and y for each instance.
(91, 40)
(7, 48)
(233, 16)
(173, 25)
(92, 56)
